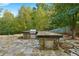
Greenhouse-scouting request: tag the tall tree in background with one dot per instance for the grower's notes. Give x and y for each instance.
(6, 22)
(8, 15)
(25, 16)
(41, 19)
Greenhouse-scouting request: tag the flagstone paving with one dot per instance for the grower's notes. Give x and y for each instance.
(10, 45)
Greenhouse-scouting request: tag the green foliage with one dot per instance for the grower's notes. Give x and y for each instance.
(63, 14)
(9, 24)
(41, 19)
(44, 17)
(5, 23)
(66, 15)
(25, 16)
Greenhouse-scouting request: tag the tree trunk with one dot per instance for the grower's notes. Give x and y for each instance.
(73, 34)
(74, 26)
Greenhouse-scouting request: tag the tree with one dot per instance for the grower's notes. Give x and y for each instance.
(41, 19)
(6, 23)
(25, 16)
(62, 13)
(73, 14)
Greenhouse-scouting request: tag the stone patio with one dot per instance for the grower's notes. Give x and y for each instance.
(10, 45)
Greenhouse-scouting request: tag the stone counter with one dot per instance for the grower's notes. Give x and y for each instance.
(48, 40)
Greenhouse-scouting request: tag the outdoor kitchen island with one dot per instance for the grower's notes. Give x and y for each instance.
(48, 38)
(30, 34)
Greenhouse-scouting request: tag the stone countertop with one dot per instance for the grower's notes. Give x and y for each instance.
(31, 32)
(26, 32)
(48, 34)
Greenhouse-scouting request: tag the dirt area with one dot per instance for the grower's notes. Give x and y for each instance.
(10, 45)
